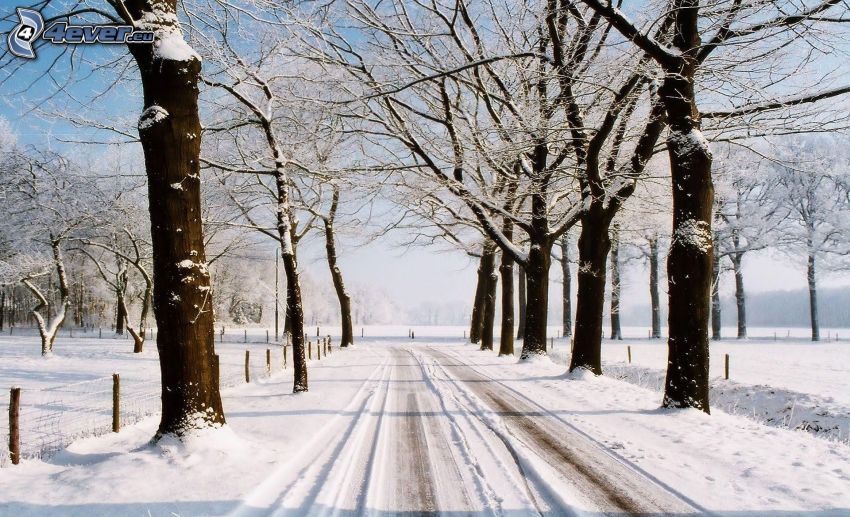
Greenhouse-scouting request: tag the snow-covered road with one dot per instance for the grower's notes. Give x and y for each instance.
(420, 437)
(403, 427)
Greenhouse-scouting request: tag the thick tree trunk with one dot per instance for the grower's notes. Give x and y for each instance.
(689, 264)
(566, 288)
(593, 246)
(813, 297)
(740, 294)
(170, 134)
(655, 299)
(715, 297)
(537, 306)
(336, 275)
(616, 330)
(486, 266)
(489, 319)
(522, 300)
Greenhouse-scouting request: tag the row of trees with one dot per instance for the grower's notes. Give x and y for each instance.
(518, 122)
(787, 195)
(498, 127)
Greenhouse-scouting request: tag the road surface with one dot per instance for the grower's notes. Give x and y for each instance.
(429, 434)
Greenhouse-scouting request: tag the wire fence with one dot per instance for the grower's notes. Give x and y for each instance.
(51, 418)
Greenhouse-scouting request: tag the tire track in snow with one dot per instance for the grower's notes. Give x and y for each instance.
(268, 498)
(463, 427)
(607, 482)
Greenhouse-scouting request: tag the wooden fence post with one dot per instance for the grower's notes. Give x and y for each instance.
(317, 332)
(245, 339)
(318, 350)
(629, 350)
(726, 366)
(15, 426)
(116, 403)
(284, 356)
(247, 370)
(99, 333)
(267, 335)
(309, 350)
(268, 361)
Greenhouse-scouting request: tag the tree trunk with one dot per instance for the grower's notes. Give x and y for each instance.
(486, 266)
(520, 331)
(813, 297)
(120, 313)
(139, 337)
(616, 330)
(336, 275)
(715, 296)
(566, 297)
(593, 246)
(489, 319)
(48, 329)
(170, 134)
(537, 307)
(506, 340)
(689, 264)
(2, 308)
(740, 294)
(655, 299)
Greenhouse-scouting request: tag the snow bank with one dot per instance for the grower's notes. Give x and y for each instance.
(776, 407)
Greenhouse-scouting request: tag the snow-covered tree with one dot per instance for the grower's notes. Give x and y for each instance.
(813, 178)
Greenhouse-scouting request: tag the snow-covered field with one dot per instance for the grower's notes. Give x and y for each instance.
(405, 426)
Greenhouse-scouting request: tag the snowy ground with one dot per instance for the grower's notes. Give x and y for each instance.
(400, 427)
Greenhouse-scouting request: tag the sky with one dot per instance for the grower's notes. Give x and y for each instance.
(410, 276)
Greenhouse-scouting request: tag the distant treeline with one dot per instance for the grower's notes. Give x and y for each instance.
(771, 309)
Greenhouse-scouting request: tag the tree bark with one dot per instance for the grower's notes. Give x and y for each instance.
(170, 134)
(522, 299)
(139, 337)
(120, 315)
(740, 294)
(336, 274)
(616, 330)
(689, 263)
(489, 318)
(506, 268)
(294, 303)
(537, 293)
(593, 246)
(566, 296)
(813, 297)
(715, 296)
(655, 299)
(486, 266)
(2, 308)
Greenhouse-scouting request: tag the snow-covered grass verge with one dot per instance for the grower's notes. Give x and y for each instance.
(792, 384)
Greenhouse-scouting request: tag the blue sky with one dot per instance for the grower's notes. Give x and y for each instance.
(411, 277)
